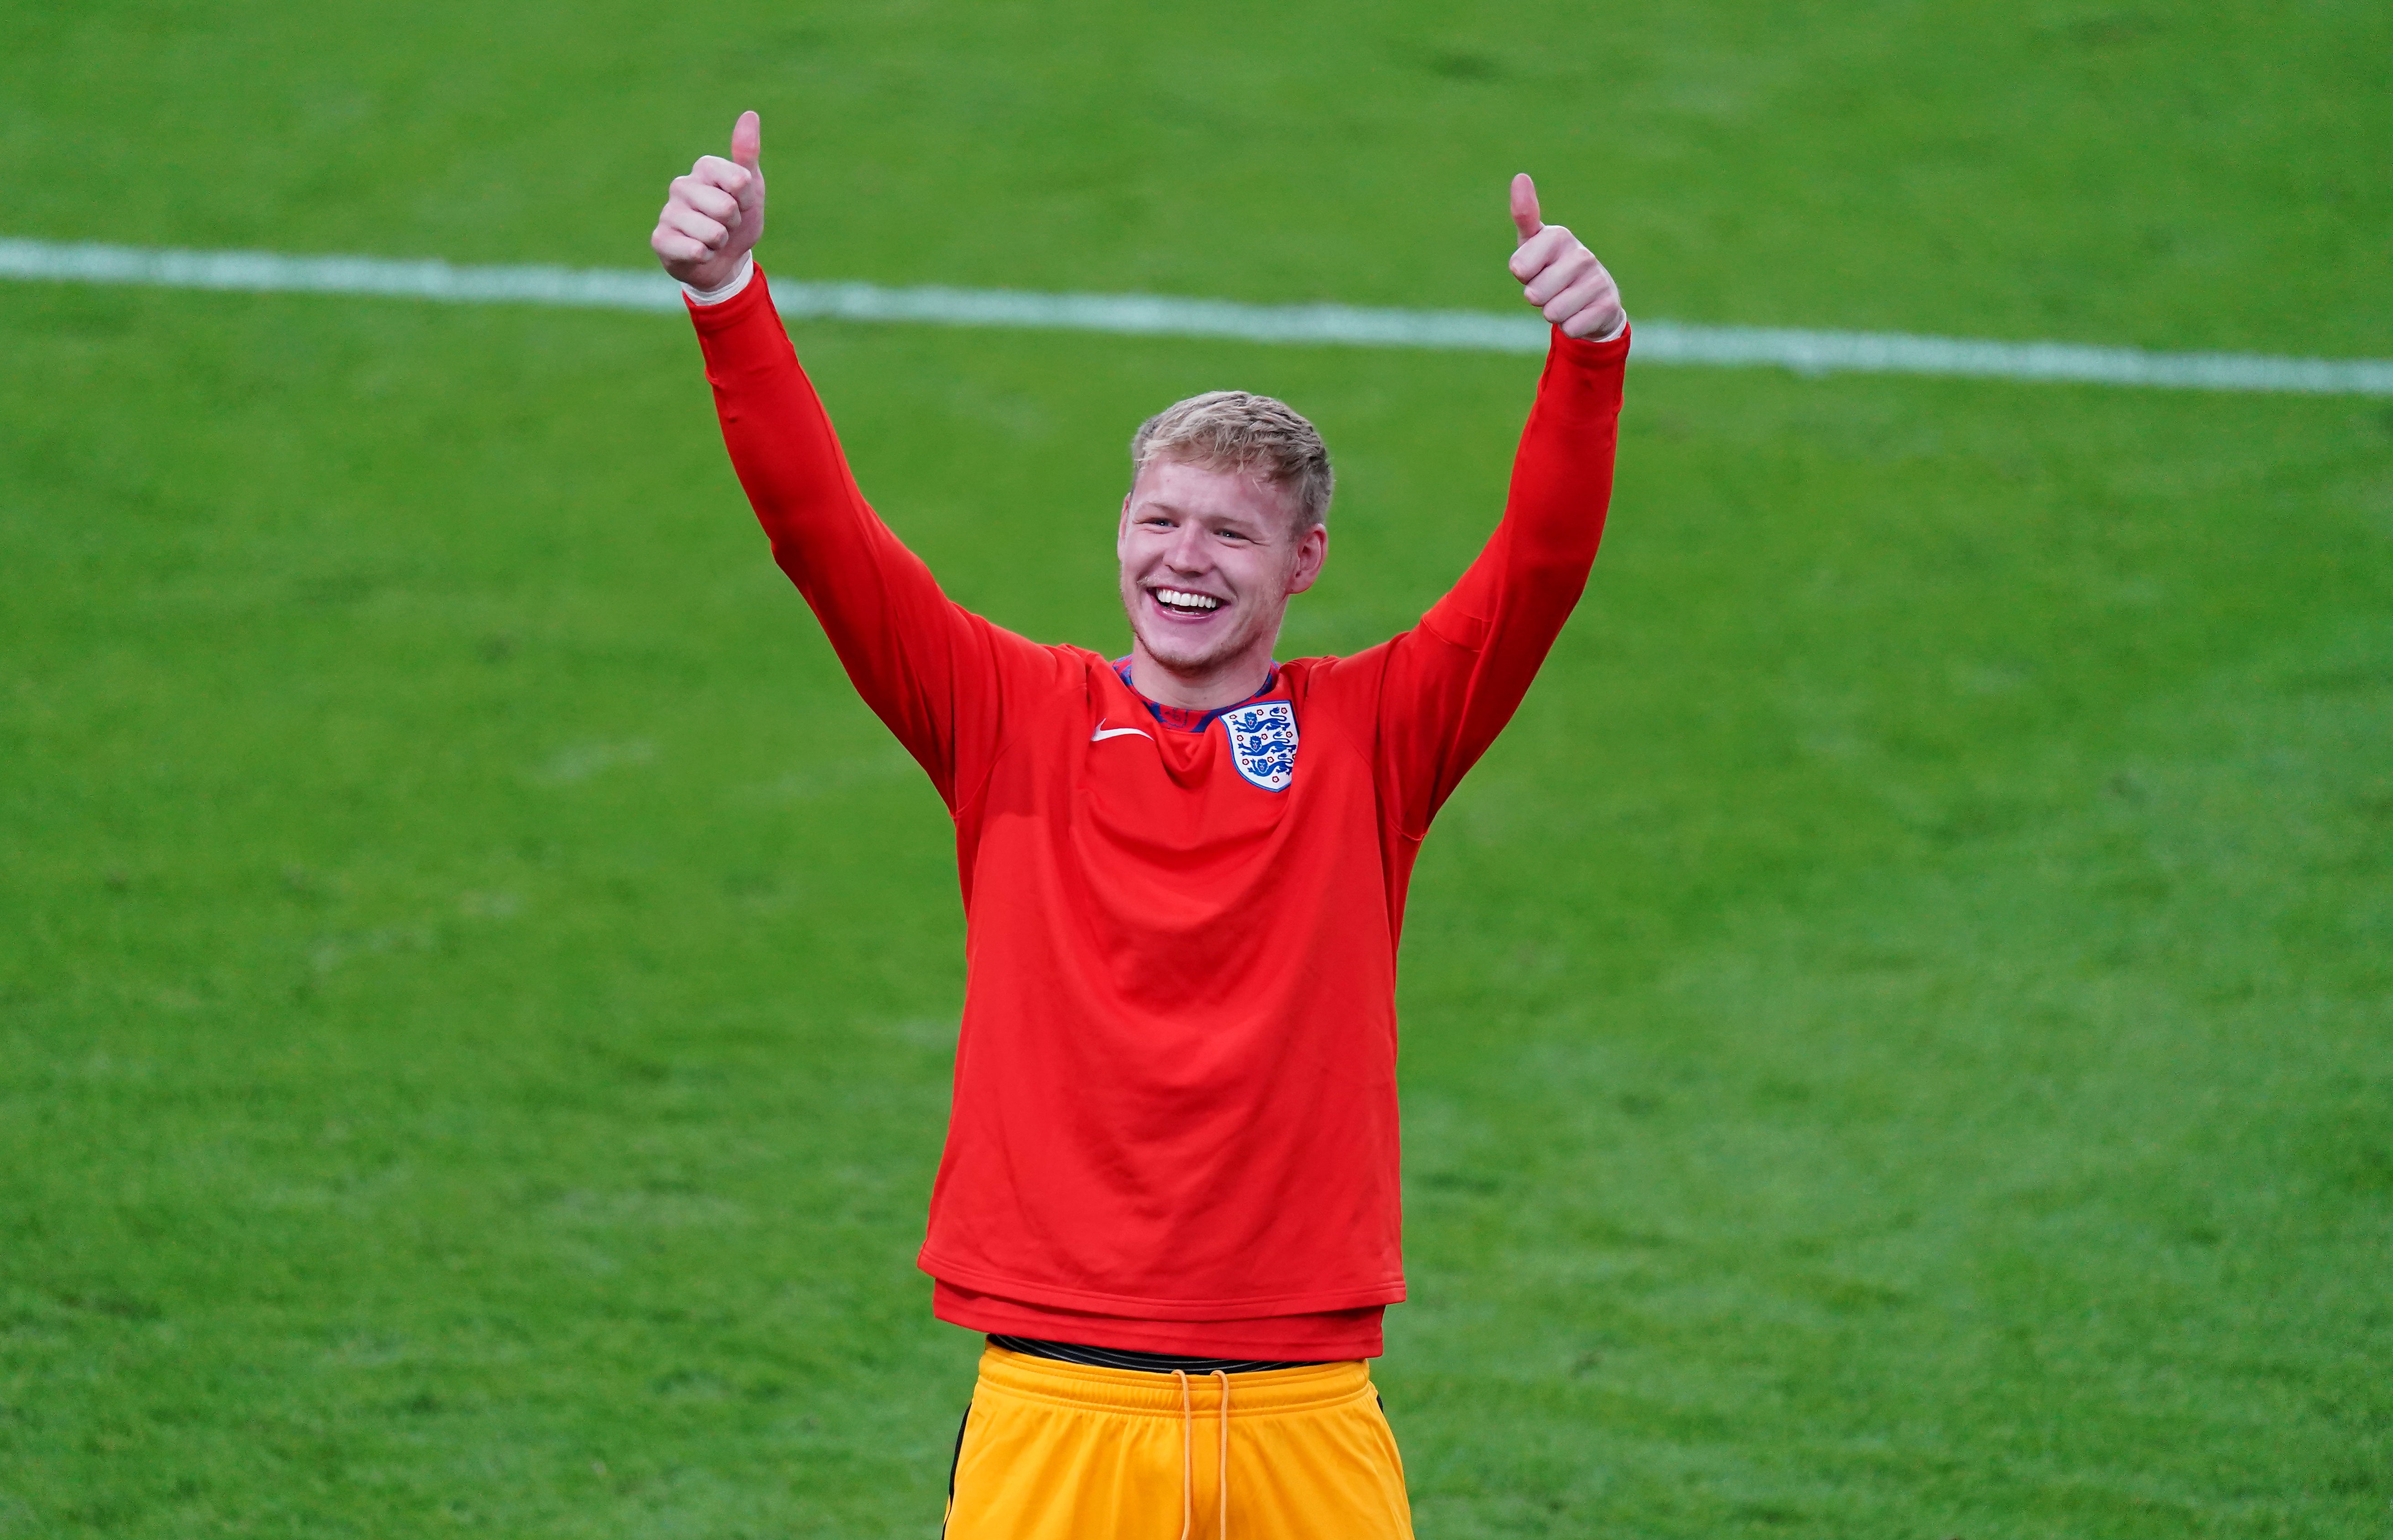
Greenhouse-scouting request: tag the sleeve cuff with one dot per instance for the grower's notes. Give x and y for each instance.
(731, 286)
(1594, 352)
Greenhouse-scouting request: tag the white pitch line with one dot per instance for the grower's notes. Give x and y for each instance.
(1147, 314)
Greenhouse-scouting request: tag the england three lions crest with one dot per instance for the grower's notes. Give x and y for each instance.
(1262, 742)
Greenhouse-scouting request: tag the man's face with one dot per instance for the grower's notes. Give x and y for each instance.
(1208, 559)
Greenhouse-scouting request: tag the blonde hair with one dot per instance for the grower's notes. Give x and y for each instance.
(1247, 435)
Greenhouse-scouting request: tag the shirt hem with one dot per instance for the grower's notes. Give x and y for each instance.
(1292, 1338)
(1135, 1308)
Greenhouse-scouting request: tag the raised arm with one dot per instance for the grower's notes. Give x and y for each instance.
(929, 668)
(1451, 683)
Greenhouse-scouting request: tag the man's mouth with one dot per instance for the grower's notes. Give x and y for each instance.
(1184, 601)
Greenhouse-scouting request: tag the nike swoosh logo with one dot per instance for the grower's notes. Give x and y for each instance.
(1104, 732)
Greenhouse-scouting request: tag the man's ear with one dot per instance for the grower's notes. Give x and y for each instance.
(1312, 554)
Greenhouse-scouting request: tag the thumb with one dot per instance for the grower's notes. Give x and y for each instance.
(1524, 206)
(748, 140)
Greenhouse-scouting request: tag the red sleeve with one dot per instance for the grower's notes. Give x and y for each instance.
(929, 668)
(1448, 687)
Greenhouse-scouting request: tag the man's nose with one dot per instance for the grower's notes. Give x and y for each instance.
(1188, 551)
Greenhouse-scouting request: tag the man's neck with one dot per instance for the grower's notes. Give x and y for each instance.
(1221, 684)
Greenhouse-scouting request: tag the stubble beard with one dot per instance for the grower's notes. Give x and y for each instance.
(1174, 653)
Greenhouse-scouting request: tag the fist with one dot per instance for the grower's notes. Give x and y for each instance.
(714, 215)
(1558, 275)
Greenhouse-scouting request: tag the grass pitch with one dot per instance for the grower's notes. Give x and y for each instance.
(1898, 1037)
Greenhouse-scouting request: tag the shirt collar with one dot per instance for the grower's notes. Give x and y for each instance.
(1181, 719)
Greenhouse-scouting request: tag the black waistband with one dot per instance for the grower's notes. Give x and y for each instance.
(1153, 1364)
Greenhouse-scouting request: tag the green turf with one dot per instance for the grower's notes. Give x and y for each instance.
(1898, 1037)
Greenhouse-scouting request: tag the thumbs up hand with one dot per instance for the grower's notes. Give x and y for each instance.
(1558, 275)
(714, 215)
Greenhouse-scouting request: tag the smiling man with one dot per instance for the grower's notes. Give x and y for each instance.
(1169, 1195)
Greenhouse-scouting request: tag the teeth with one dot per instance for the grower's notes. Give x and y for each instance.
(1187, 601)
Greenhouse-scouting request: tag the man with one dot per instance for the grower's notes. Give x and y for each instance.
(1169, 1194)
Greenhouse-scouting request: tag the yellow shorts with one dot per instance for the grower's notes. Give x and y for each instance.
(1065, 1452)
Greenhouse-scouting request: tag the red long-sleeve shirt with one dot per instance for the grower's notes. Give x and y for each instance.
(1174, 1126)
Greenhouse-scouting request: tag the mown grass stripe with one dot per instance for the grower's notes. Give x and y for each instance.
(1658, 341)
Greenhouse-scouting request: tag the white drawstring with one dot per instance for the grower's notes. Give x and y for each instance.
(1188, 1457)
(1222, 1472)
